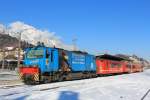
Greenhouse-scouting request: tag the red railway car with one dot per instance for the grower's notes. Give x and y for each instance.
(108, 64)
(128, 67)
(136, 67)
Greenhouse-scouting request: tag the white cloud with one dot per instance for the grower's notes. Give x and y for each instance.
(33, 35)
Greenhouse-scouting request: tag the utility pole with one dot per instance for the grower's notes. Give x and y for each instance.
(19, 46)
(74, 40)
(19, 49)
(3, 53)
(3, 63)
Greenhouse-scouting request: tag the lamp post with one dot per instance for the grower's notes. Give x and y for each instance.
(3, 52)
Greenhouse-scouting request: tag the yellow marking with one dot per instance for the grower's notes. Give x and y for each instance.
(36, 77)
(20, 75)
(47, 61)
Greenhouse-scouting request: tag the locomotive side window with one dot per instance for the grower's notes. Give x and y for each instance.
(35, 53)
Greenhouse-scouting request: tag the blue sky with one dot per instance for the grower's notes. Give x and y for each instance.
(115, 26)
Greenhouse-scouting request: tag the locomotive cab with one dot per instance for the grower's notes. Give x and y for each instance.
(38, 60)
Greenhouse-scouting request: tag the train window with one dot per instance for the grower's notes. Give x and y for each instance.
(112, 65)
(47, 54)
(115, 65)
(119, 65)
(128, 66)
(101, 60)
(51, 56)
(133, 66)
(35, 53)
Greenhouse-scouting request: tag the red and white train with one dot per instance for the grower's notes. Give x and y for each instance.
(108, 64)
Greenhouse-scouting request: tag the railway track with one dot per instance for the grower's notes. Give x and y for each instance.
(145, 95)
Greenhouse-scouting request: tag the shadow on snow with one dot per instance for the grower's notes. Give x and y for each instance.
(68, 95)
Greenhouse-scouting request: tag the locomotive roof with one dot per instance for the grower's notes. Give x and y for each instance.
(110, 57)
(81, 52)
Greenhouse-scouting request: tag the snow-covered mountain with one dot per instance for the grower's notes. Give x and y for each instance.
(33, 35)
(8, 42)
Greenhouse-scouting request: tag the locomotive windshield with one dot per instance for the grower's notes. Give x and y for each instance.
(35, 53)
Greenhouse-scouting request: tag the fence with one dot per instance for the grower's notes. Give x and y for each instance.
(8, 64)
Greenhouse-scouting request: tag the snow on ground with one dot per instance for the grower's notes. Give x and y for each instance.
(10, 78)
(8, 75)
(121, 87)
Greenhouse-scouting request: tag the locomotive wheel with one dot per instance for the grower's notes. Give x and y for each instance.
(61, 78)
(46, 79)
(29, 81)
(69, 77)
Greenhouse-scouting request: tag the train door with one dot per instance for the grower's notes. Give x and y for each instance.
(112, 67)
(104, 68)
(120, 66)
(124, 67)
(52, 59)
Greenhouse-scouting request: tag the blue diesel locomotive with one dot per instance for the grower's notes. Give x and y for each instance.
(45, 64)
